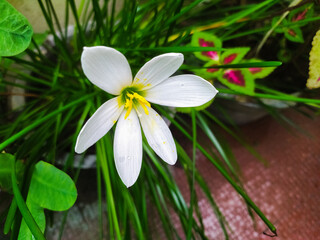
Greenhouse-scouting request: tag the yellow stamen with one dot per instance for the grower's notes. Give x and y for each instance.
(144, 107)
(141, 100)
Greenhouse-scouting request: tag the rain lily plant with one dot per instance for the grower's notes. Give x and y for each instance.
(109, 70)
(46, 127)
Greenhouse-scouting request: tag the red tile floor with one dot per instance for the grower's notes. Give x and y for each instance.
(287, 190)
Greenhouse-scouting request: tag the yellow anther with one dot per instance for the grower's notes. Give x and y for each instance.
(131, 96)
(141, 100)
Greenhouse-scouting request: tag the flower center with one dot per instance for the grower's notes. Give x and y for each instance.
(132, 99)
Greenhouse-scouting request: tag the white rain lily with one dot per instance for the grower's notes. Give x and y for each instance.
(109, 70)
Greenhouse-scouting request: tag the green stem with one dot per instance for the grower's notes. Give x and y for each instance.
(192, 194)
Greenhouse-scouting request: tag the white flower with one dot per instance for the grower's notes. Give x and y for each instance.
(109, 70)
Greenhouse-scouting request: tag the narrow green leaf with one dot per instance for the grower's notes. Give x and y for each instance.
(38, 215)
(172, 49)
(192, 188)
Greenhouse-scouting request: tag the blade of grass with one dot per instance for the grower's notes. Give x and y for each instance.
(192, 193)
(288, 98)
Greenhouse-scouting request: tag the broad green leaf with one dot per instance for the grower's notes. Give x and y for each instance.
(314, 63)
(201, 39)
(51, 188)
(6, 161)
(15, 30)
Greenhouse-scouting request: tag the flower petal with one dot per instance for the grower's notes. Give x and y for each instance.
(158, 135)
(158, 69)
(128, 148)
(182, 91)
(99, 124)
(106, 68)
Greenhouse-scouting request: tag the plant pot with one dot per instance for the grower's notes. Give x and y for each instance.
(241, 110)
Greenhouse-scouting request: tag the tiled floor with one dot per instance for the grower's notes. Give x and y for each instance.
(287, 190)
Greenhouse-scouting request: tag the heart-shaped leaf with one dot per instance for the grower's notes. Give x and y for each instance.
(51, 188)
(15, 30)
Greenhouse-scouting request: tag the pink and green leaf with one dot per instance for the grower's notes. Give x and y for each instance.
(301, 13)
(201, 39)
(233, 55)
(259, 72)
(294, 34)
(239, 80)
(211, 72)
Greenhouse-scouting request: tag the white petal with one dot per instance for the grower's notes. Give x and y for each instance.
(127, 148)
(99, 124)
(182, 91)
(106, 68)
(158, 135)
(158, 69)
